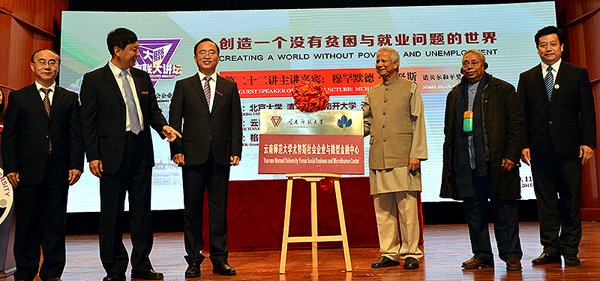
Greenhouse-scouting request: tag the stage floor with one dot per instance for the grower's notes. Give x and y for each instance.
(446, 247)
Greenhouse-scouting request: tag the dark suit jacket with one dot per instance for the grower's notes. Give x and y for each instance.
(220, 129)
(27, 128)
(562, 125)
(103, 116)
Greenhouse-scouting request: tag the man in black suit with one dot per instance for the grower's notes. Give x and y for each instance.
(42, 152)
(210, 107)
(558, 105)
(116, 132)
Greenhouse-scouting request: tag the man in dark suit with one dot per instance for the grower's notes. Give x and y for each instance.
(557, 102)
(42, 152)
(116, 132)
(210, 107)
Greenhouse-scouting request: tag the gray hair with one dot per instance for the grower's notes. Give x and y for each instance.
(394, 55)
(477, 52)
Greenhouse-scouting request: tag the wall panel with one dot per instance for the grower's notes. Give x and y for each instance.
(580, 20)
(25, 26)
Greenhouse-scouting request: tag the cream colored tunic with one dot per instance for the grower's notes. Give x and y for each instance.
(394, 117)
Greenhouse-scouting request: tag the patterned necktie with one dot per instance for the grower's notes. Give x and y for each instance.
(134, 120)
(46, 91)
(207, 89)
(549, 81)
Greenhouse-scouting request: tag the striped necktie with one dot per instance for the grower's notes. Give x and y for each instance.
(549, 81)
(207, 89)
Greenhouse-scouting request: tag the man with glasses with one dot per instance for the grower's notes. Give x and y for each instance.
(207, 107)
(395, 120)
(42, 151)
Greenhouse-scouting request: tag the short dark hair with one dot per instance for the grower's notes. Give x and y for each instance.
(204, 40)
(120, 37)
(44, 49)
(547, 31)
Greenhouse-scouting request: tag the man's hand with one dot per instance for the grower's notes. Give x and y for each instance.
(585, 153)
(96, 168)
(170, 133)
(13, 178)
(234, 160)
(74, 175)
(179, 159)
(507, 165)
(525, 156)
(414, 165)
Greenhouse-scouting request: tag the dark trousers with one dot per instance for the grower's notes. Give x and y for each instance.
(134, 178)
(557, 186)
(506, 222)
(40, 212)
(214, 179)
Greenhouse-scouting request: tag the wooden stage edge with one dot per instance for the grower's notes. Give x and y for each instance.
(446, 247)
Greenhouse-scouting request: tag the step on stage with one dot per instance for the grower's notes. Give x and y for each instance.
(446, 247)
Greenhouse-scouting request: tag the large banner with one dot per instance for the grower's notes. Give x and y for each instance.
(326, 141)
(267, 51)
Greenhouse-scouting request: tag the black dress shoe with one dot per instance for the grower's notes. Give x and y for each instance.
(545, 258)
(411, 263)
(114, 278)
(193, 269)
(223, 268)
(384, 261)
(147, 275)
(475, 263)
(572, 260)
(513, 264)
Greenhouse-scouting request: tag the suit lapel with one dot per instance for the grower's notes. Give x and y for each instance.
(198, 88)
(219, 91)
(138, 85)
(539, 81)
(36, 100)
(560, 76)
(57, 100)
(112, 82)
(138, 82)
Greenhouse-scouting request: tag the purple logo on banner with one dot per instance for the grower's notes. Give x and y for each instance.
(155, 55)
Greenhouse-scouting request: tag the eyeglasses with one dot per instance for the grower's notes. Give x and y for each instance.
(204, 52)
(472, 63)
(43, 62)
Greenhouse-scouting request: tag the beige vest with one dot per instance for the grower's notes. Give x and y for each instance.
(391, 127)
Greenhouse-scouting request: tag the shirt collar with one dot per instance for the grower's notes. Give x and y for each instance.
(391, 81)
(555, 66)
(39, 86)
(213, 76)
(116, 70)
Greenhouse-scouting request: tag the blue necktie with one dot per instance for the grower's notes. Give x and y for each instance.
(134, 121)
(549, 81)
